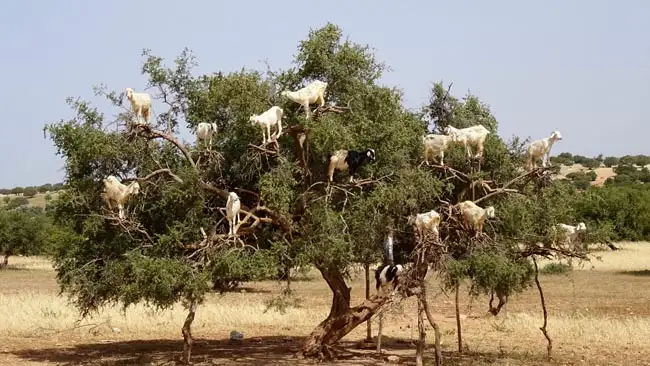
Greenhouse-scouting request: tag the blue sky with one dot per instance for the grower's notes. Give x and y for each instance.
(579, 66)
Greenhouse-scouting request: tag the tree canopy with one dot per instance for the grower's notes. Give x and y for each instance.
(173, 242)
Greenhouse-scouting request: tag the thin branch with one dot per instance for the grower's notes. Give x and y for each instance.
(504, 188)
(549, 346)
(264, 150)
(160, 171)
(152, 133)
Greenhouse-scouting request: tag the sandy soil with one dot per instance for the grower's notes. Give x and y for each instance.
(599, 315)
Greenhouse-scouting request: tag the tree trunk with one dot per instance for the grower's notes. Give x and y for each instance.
(5, 261)
(419, 351)
(436, 328)
(187, 334)
(366, 267)
(342, 319)
(458, 326)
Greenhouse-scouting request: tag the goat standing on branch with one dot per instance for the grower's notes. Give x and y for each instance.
(426, 222)
(140, 104)
(541, 149)
(233, 205)
(271, 117)
(388, 272)
(118, 193)
(470, 136)
(314, 92)
(474, 216)
(435, 145)
(348, 160)
(567, 234)
(204, 131)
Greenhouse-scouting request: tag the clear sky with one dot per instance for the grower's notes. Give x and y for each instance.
(581, 66)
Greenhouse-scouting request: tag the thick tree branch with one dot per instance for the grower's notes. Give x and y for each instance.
(151, 133)
(504, 188)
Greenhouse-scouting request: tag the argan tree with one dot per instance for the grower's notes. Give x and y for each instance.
(173, 244)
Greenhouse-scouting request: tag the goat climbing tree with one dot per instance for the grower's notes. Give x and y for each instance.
(175, 230)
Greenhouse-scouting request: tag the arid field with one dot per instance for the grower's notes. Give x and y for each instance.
(599, 315)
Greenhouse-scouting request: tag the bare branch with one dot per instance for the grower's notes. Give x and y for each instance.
(504, 188)
(160, 171)
(151, 133)
(264, 150)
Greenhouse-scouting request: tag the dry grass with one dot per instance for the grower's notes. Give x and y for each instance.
(602, 173)
(37, 201)
(599, 315)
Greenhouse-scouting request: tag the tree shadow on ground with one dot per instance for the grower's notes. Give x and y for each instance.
(15, 267)
(253, 351)
(242, 290)
(639, 273)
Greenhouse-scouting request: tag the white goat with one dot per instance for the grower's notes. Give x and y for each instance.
(474, 216)
(314, 92)
(271, 117)
(542, 148)
(435, 145)
(118, 193)
(204, 131)
(233, 205)
(469, 136)
(140, 104)
(567, 234)
(426, 222)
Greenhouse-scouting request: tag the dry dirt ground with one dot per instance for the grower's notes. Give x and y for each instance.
(599, 315)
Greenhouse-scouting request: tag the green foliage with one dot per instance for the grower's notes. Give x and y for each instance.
(581, 180)
(29, 192)
(616, 212)
(25, 231)
(48, 187)
(16, 202)
(159, 254)
(610, 161)
(555, 268)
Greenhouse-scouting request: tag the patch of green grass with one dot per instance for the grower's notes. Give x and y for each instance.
(556, 268)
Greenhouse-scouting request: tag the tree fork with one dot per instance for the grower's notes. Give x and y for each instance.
(342, 319)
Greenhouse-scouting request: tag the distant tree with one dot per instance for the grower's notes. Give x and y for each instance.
(45, 188)
(610, 161)
(627, 160)
(591, 163)
(29, 192)
(22, 231)
(592, 175)
(564, 158)
(17, 190)
(642, 160)
(6, 199)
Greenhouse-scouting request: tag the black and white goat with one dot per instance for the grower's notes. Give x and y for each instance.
(388, 273)
(348, 159)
